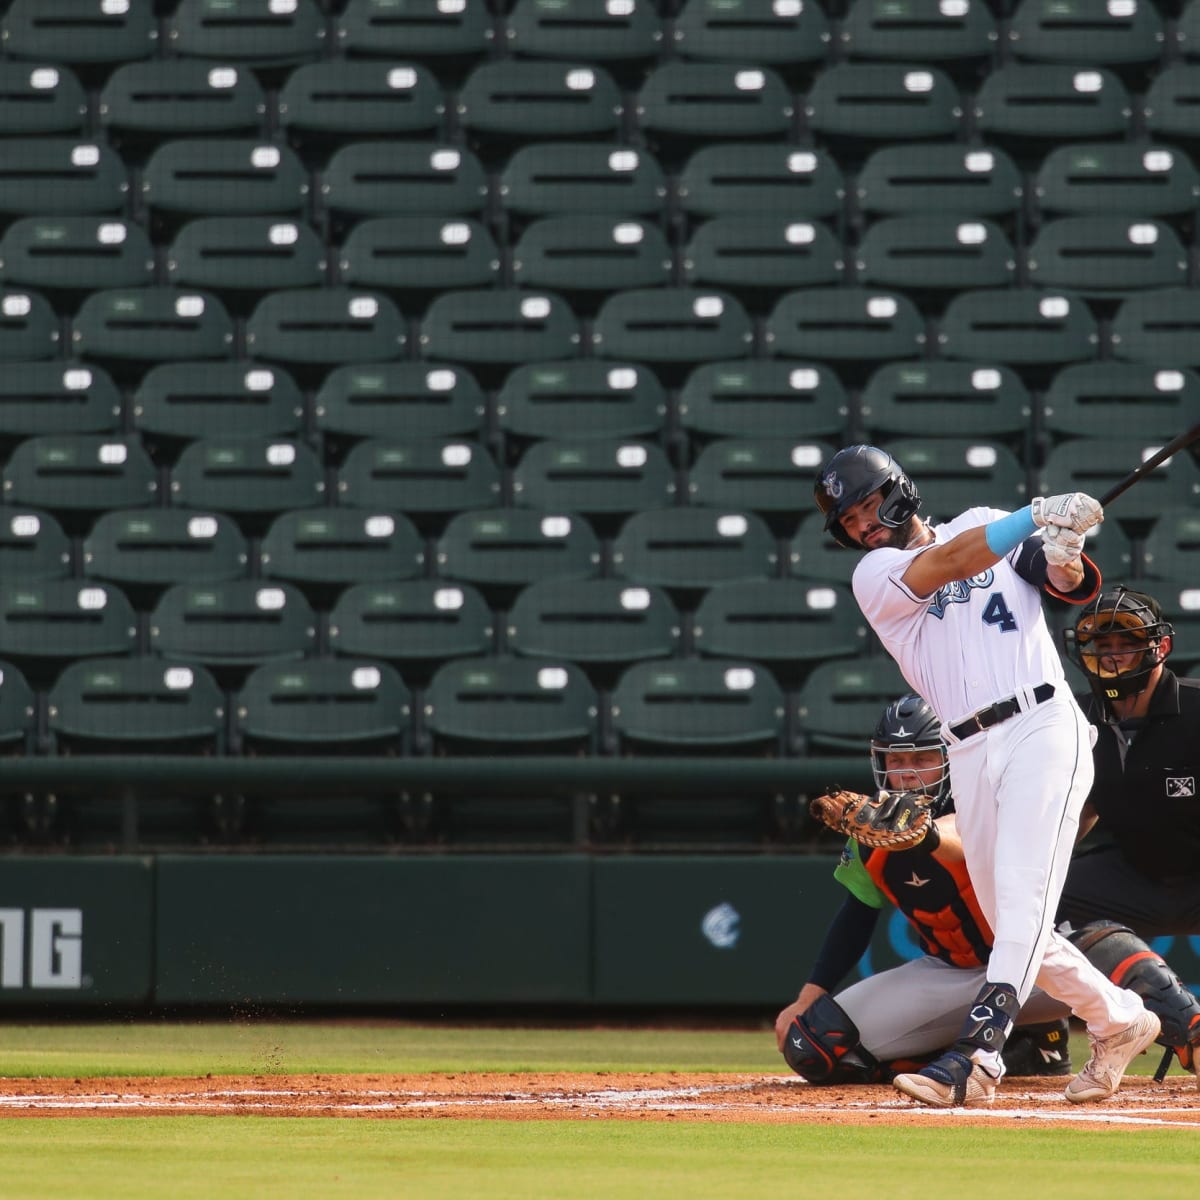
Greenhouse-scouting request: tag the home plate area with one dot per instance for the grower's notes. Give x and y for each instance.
(777, 1099)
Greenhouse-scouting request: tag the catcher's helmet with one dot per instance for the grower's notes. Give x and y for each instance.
(852, 475)
(1137, 620)
(905, 726)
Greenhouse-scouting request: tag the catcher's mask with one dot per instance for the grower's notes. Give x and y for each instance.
(852, 475)
(1118, 641)
(909, 726)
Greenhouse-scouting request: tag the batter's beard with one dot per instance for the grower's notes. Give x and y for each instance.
(898, 538)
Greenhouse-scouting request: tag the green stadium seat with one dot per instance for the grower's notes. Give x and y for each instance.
(151, 324)
(603, 625)
(144, 550)
(1187, 27)
(379, 178)
(391, 400)
(65, 254)
(248, 477)
(581, 177)
(970, 181)
(1180, 600)
(813, 555)
(1159, 327)
(419, 255)
(256, 32)
(314, 327)
(56, 397)
(760, 398)
(862, 103)
(29, 328)
(581, 399)
(764, 475)
(182, 401)
(45, 623)
(1113, 399)
(421, 29)
(672, 325)
(323, 706)
(1172, 547)
(605, 32)
(1107, 257)
(591, 253)
(757, 256)
(417, 624)
(955, 474)
(78, 32)
(957, 37)
(1149, 179)
(237, 258)
(839, 704)
(787, 624)
(1022, 327)
(499, 328)
(731, 178)
(854, 327)
(233, 623)
(507, 548)
(136, 705)
(40, 99)
(1112, 550)
(18, 712)
(923, 255)
(33, 545)
(41, 176)
(717, 706)
(753, 31)
(1088, 32)
(685, 549)
(224, 177)
(1169, 105)
(80, 473)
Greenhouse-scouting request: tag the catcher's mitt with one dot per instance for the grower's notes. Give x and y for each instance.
(886, 821)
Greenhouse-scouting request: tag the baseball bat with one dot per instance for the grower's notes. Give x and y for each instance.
(1179, 442)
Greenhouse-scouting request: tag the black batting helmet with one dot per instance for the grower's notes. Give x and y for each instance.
(852, 475)
(1136, 618)
(907, 725)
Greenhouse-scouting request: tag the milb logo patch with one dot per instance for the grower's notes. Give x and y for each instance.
(1180, 785)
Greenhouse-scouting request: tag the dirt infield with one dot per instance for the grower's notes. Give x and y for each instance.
(773, 1099)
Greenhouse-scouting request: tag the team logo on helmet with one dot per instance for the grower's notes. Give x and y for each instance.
(833, 485)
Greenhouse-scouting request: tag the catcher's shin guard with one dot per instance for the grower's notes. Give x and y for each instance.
(1039, 1049)
(1130, 963)
(822, 1045)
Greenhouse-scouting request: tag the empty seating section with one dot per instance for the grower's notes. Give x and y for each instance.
(434, 377)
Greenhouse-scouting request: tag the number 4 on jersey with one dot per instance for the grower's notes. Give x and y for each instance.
(998, 613)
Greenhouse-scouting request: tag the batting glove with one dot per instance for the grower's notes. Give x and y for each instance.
(1063, 546)
(1074, 510)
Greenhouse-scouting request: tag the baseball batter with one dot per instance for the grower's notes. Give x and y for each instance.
(958, 606)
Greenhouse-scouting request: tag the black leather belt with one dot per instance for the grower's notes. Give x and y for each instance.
(985, 718)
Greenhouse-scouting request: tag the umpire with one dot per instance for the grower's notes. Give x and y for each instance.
(1145, 871)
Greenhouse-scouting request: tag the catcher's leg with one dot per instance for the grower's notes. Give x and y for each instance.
(822, 1045)
(1042, 1049)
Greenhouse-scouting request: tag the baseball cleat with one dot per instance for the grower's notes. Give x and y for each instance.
(952, 1081)
(1101, 1075)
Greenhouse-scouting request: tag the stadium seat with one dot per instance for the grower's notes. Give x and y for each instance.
(1169, 106)
(426, 30)
(917, 179)
(1116, 399)
(759, 257)
(582, 177)
(954, 474)
(595, 30)
(80, 473)
(1180, 600)
(1107, 257)
(249, 477)
(382, 178)
(405, 256)
(957, 37)
(1022, 327)
(1187, 27)
(1172, 548)
(672, 325)
(1149, 179)
(323, 705)
(182, 401)
(727, 179)
(499, 328)
(934, 254)
(224, 177)
(42, 176)
(1112, 550)
(257, 32)
(587, 254)
(753, 31)
(839, 704)
(78, 32)
(317, 327)
(581, 399)
(1159, 327)
(40, 100)
(28, 326)
(764, 475)
(813, 555)
(238, 258)
(33, 545)
(18, 712)
(151, 324)
(391, 400)
(417, 624)
(691, 548)
(426, 478)
(698, 705)
(68, 254)
(760, 398)
(1087, 32)
(787, 624)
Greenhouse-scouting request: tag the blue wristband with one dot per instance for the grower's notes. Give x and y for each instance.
(1009, 532)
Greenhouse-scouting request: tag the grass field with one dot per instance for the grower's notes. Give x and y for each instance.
(181, 1157)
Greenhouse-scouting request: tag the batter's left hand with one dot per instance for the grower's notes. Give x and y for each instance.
(1072, 510)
